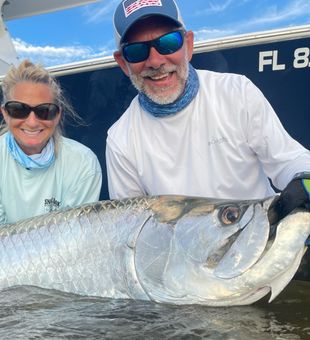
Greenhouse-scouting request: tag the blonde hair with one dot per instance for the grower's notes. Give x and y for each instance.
(35, 73)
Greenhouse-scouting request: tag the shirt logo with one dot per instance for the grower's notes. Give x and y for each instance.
(51, 204)
(130, 6)
(215, 141)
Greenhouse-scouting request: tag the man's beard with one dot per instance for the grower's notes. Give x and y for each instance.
(160, 95)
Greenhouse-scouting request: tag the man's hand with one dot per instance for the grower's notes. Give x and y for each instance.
(295, 195)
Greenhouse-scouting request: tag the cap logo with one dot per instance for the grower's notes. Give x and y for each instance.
(131, 6)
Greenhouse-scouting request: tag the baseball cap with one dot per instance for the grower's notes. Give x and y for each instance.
(129, 12)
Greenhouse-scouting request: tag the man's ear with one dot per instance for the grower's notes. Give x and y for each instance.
(121, 62)
(189, 44)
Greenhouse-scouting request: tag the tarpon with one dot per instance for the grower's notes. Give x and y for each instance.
(169, 249)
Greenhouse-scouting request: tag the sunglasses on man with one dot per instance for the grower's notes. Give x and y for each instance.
(19, 110)
(166, 44)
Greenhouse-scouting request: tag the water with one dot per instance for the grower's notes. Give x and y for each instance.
(34, 313)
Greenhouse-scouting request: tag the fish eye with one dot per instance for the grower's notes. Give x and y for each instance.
(229, 215)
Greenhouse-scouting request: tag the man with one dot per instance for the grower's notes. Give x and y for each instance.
(194, 132)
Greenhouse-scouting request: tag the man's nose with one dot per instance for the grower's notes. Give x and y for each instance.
(155, 59)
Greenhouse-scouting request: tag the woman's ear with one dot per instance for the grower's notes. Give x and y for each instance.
(4, 114)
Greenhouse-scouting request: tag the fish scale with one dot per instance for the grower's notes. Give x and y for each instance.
(157, 248)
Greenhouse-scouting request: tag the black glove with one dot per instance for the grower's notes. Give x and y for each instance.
(295, 195)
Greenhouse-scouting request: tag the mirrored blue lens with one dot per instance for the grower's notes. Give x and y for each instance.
(169, 43)
(136, 52)
(166, 44)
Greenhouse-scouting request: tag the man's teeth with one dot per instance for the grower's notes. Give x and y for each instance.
(161, 76)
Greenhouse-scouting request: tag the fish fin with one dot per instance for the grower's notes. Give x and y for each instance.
(283, 280)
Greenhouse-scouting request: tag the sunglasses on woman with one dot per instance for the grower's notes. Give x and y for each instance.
(46, 111)
(165, 44)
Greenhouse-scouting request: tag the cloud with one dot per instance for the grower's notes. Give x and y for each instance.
(274, 16)
(293, 10)
(214, 7)
(234, 19)
(208, 34)
(51, 55)
(98, 12)
(291, 13)
(217, 7)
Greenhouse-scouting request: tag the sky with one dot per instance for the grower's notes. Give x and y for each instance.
(86, 32)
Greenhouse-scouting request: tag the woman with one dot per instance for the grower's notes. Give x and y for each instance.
(41, 171)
